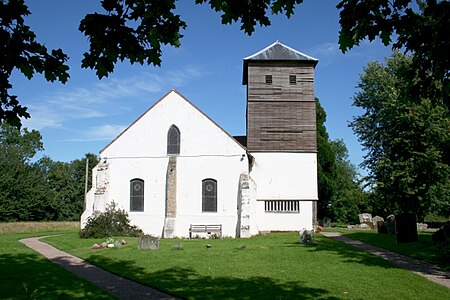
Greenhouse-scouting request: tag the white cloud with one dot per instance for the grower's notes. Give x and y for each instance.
(99, 99)
(100, 133)
(326, 50)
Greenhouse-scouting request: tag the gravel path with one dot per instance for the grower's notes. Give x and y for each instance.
(421, 268)
(116, 285)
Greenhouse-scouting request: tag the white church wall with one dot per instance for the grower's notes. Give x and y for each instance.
(284, 176)
(191, 171)
(269, 221)
(206, 151)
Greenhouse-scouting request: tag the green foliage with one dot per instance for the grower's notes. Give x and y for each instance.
(251, 13)
(112, 36)
(420, 29)
(135, 30)
(23, 192)
(20, 50)
(66, 184)
(112, 222)
(340, 196)
(407, 141)
(42, 190)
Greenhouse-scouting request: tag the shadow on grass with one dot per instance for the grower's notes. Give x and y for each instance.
(347, 253)
(29, 276)
(187, 283)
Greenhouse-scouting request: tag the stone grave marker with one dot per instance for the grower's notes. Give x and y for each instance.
(375, 221)
(390, 224)
(148, 242)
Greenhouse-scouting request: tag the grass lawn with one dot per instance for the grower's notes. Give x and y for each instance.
(275, 266)
(437, 253)
(24, 274)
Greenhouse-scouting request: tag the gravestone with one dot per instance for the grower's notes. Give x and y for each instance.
(382, 227)
(306, 236)
(443, 233)
(366, 218)
(390, 224)
(422, 226)
(148, 242)
(406, 228)
(326, 222)
(375, 221)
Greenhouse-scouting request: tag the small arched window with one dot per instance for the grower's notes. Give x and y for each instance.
(173, 141)
(209, 195)
(137, 195)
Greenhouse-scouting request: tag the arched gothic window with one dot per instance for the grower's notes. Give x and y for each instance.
(173, 141)
(136, 194)
(209, 195)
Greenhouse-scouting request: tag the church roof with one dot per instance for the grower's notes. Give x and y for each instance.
(277, 52)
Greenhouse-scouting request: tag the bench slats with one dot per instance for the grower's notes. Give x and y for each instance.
(205, 228)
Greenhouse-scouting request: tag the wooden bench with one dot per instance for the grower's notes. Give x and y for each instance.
(209, 229)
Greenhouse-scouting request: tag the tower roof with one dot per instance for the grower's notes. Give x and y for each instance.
(277, 52)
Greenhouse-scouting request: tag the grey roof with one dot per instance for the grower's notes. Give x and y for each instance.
(277, 52)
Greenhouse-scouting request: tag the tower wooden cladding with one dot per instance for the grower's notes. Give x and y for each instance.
(281, 107)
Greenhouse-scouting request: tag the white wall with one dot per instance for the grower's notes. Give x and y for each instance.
(283, 176)
(206, 152)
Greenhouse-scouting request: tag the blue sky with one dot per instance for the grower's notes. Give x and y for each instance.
(86, 113)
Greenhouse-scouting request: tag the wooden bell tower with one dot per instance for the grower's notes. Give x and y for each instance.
(281, 108)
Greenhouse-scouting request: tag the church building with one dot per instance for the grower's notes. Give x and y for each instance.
(177, 173)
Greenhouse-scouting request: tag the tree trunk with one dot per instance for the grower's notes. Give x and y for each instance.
(406, 228)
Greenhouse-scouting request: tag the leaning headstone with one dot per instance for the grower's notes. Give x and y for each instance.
(147, 242)
(306, 236)
(375, 221)
(390, 224)
(422, 226)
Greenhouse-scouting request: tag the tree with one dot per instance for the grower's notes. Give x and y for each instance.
(20, 50)
(420, 29)
(340, 196)
(65, 183)
(134, 30)
(407, 141)
(23, 190)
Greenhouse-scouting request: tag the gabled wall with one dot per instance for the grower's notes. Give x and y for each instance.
(206, 152)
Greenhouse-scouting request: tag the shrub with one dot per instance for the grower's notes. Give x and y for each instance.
(113, 222)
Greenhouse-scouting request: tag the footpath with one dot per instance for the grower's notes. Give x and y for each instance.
(118, 286)
(421, 268)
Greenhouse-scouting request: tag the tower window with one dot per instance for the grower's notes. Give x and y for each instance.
(173, 141)
(268, 79)
(292, 79)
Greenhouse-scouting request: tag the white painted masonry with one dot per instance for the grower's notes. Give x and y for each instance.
(256, 191)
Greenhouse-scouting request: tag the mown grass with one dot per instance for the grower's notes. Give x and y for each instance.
(425, 249)
(38, 227)
(27, 275)
(275, 266)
